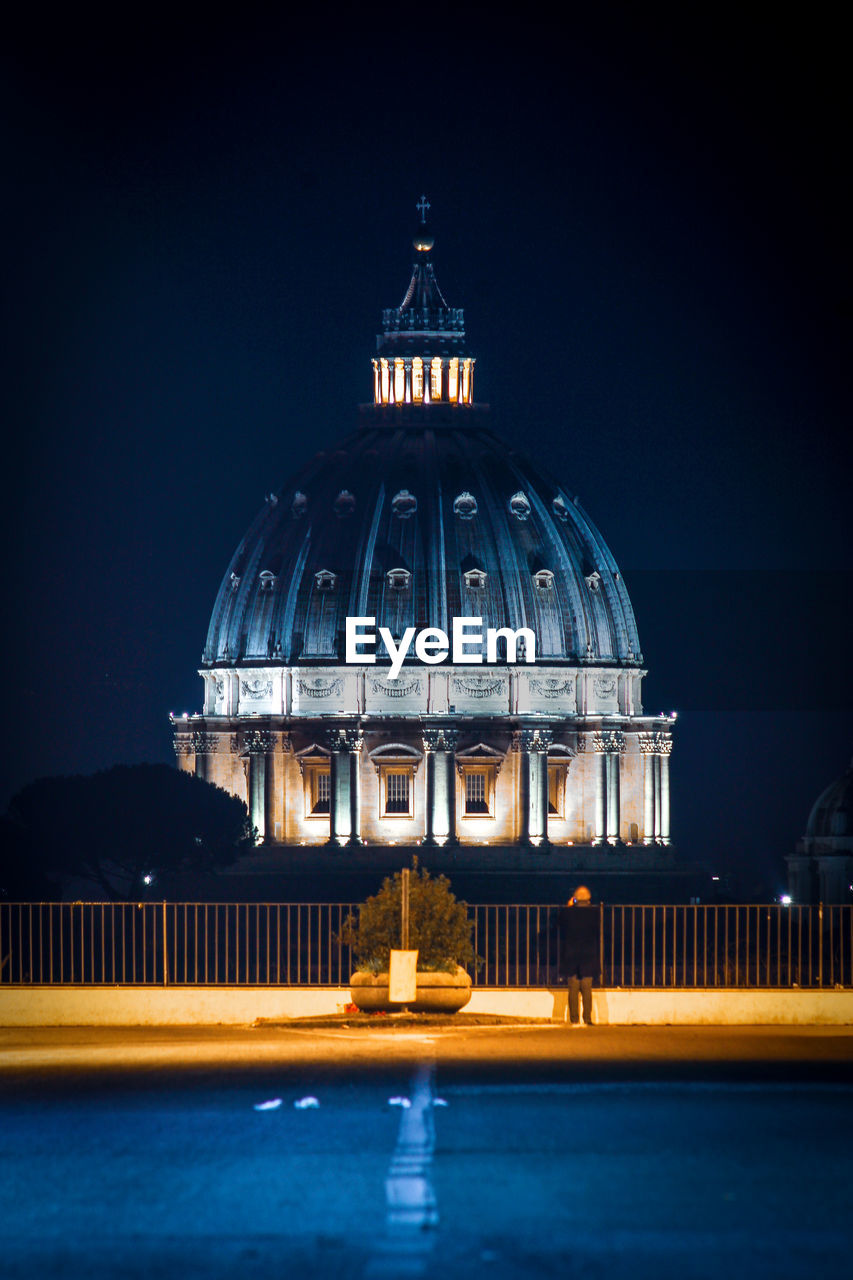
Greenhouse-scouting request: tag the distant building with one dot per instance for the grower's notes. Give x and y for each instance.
(420, 517)
(821, 870)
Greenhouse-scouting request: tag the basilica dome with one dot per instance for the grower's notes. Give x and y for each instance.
(416, 528)
(832, 813)
(414, 519)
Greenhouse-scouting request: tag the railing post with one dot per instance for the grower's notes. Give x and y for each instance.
(165, 951)
(601, 942)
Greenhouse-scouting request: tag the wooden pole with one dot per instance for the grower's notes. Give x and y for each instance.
(404, 909)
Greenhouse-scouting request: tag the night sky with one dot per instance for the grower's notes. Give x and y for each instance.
(646, 219)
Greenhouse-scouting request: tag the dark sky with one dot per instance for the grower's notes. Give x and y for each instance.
(646, 218)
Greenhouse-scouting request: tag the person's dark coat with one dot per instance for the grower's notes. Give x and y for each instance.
(580, 946)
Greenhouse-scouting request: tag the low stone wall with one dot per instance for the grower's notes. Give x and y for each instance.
(33, 1006)
(621, 1006)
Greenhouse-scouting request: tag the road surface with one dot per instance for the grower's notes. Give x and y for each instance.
(390, 1150)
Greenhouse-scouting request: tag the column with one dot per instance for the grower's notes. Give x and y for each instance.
(429, 786)
(440, 773)
(609, 745)
(200, 748)
(647, 752)
(258, 745)
(656, 759)
(612, 798)
(520, 743)
(269, 795)
(599, 830)
(533, 744)
(664, 791)
(339, 787)
(257, 793)
(355, 742)
(450, 736)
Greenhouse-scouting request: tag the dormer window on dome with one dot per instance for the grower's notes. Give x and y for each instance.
(398, 579)
(544, 579)
(475, 579)
(593, 581)
(299, 505)
(519, 505)
(465, 506)
(325, 580)
(266, 580)
(344, 504)
(404, 504)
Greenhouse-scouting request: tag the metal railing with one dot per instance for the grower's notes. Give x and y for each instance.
(174, 944)
(747, 945)
(298, 944)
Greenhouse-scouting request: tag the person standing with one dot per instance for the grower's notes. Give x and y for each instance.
(580, 953)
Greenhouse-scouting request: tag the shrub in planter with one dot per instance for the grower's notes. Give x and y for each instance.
(438, 928)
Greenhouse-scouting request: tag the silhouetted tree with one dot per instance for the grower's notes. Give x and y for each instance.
(116, 826)
(22, 878)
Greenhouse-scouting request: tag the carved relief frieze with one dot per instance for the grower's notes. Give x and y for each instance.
(478, 686)
(655, 744)
(393, 689)
(553, 687)
(611, 741)
(256, 690)
(605, 687)
(319, 686)
(204, 743)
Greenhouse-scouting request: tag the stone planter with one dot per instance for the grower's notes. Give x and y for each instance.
(437, 992)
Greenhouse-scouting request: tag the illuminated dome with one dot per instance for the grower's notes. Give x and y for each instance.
(416, 518)
(420, 516)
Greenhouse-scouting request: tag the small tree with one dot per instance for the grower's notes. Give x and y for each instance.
(439, 927)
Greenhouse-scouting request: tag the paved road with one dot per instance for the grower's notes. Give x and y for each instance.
(524, 1151)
